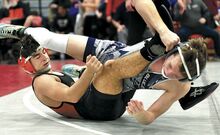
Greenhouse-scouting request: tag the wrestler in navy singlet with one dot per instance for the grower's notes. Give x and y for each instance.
(105, 50)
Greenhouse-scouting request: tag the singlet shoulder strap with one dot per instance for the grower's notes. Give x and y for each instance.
(66, 79)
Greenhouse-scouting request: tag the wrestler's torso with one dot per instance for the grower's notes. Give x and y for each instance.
(66, 109)
(151, 78)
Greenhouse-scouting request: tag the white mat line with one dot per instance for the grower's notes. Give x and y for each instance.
(27, 103)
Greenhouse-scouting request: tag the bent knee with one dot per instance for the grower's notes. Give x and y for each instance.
(111, 68)
(109, 64)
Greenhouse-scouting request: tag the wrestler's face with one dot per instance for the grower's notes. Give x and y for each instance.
(40, 60)
(171, 67)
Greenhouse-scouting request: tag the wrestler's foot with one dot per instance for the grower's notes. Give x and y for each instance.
(196, 95)
(11, 31)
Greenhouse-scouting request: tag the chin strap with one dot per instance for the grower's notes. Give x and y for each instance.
(163, 73)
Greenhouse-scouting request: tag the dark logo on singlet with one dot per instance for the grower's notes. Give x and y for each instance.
(145, 80)
(150, 79)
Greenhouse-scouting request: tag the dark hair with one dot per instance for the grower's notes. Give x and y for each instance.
(28, 46)
(196, 49)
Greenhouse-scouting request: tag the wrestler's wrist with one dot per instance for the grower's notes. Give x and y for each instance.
(162, 30)
(144, 117)
(89, 72)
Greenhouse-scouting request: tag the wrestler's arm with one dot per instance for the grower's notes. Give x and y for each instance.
(161, 105)
(148, 11)
(51, 88)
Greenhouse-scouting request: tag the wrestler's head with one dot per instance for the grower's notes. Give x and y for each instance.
(187, 61)
(33, 58)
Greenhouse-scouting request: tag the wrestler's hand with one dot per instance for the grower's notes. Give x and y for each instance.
(93, 64)
(169, 39)
(135, 108)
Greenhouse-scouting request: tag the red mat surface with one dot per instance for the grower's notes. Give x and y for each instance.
(13, 77)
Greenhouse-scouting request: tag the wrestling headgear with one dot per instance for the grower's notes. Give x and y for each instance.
(29, 47)
(178, 50)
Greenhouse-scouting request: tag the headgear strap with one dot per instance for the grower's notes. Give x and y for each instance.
(185, 66)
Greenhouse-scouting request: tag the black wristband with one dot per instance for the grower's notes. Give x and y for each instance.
(148, 54)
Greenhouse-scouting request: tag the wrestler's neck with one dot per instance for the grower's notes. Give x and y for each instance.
(156, 66)
(44, 70)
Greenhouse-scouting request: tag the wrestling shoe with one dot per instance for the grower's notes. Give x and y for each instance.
(72, 70)
(11, 31)
(196, 95)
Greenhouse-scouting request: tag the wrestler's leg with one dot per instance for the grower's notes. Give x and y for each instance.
(109, 81)
(73, 45)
